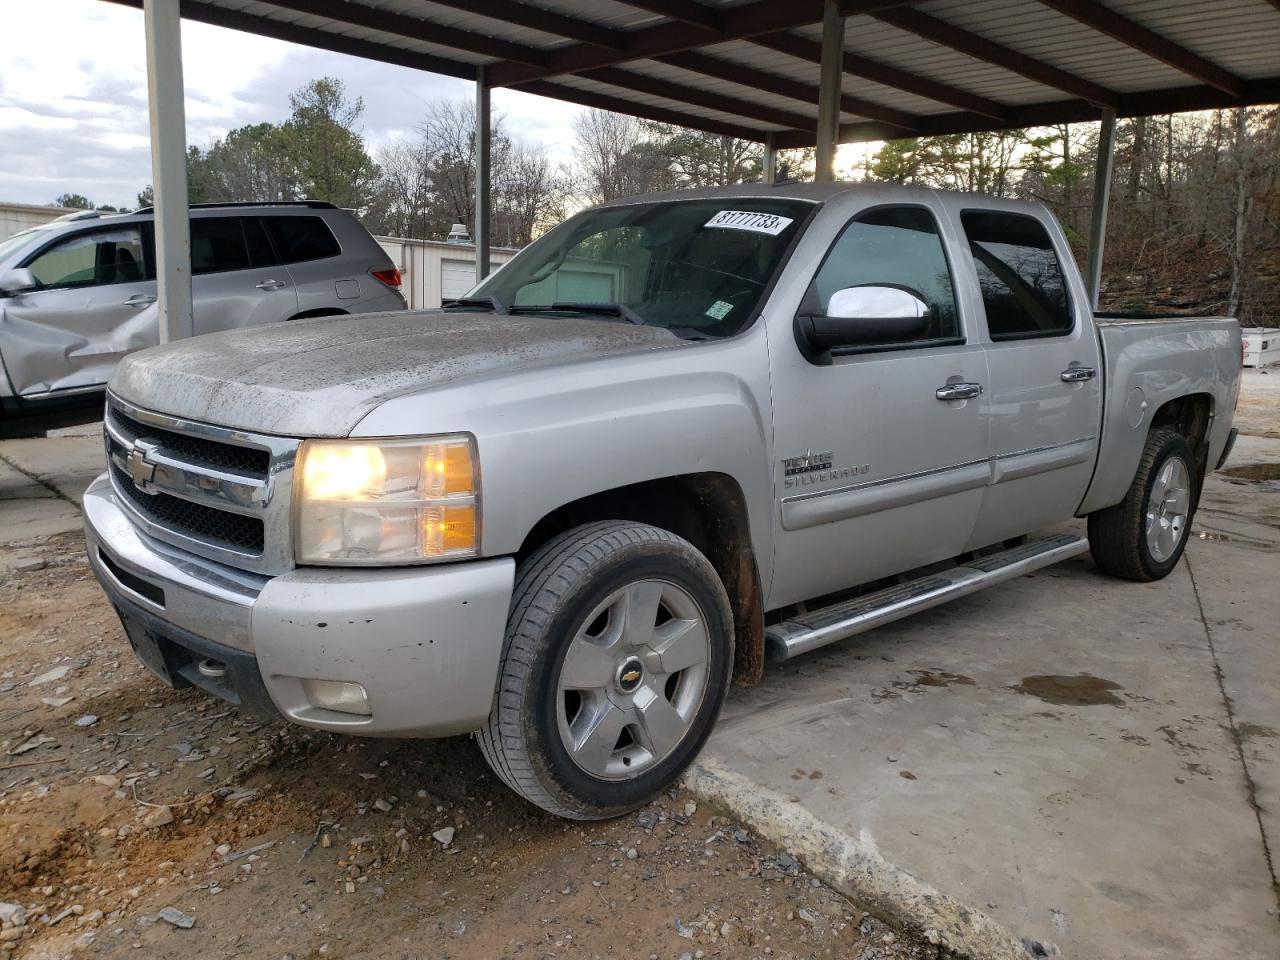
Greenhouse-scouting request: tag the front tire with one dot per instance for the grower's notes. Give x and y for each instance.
(619, 651)
(1143, 536)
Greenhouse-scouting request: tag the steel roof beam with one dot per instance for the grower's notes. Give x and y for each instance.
(681, 93)
(414, 28)
(1143, 104)
(542, 20)
(320, 39)
(745, 76)
(736, 23)
(859, 66)
(1146, 41)
(980, 48)
(604, 101)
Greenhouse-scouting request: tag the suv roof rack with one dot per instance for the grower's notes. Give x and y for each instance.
(78, 215)
(311, 204)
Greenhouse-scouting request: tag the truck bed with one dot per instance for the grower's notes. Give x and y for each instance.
(1149, 360)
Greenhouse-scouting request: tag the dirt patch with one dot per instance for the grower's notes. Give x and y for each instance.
(1255, 731)
(938, 678)
(1253, 472)
(172, 799)
(1082, 690)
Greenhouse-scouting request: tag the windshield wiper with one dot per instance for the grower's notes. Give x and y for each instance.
(608, 309)
(487, 303)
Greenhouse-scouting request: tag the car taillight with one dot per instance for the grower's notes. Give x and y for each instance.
(390, 277)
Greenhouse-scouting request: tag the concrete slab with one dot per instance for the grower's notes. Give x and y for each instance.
(41, 483)
(68, 464)
(1057, 752)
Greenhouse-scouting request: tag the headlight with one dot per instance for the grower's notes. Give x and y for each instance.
(387, 501)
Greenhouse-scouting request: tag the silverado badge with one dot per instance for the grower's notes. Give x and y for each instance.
(817, 468)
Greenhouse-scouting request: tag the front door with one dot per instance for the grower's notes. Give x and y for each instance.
(1046, 389)
(883, 452)
(95, 303)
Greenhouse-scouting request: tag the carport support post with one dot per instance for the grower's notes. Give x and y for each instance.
(163, 27)
(770, 165)
(483, 138)
(1101, 196)
(832, 70)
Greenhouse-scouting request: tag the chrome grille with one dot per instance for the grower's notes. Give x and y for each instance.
(199, 450)
(220, 493)
(233, 531)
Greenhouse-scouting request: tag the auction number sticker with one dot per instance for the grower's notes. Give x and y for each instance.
(768, 223)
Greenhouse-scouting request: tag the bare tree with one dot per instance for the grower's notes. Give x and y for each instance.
(403, 203)
(616, 157)
(1243, 208)
(530, 195)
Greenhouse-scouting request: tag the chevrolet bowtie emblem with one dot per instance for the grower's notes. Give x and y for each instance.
(631, 676)
(140, 469)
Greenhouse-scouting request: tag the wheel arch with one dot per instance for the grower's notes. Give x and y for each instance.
(1191, 415)
(707, 509)
(319, 312)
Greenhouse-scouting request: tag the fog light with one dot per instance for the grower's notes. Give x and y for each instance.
(338, 695)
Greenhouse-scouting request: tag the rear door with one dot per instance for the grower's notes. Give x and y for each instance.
(1045, 392)
(96, 303)
(323, 277)
(236, 278)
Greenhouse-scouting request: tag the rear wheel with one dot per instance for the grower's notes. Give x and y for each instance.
(618, 658)
(1143, 536)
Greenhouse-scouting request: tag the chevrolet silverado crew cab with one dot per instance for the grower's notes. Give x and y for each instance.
(675, 434)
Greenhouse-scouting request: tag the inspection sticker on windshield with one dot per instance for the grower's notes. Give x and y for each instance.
(719, 310)
(745, 220)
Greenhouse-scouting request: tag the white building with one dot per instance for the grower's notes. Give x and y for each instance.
(16, 217)
(433, 271)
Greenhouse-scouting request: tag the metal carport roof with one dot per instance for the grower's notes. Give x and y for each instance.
(750, 69)
(790, 73)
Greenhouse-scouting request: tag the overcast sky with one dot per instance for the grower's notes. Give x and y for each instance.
(73, 97)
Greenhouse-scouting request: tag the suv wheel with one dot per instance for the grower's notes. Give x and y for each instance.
(619, 650)
(1143, 536)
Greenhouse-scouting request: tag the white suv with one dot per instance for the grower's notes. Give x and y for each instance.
(79, 293)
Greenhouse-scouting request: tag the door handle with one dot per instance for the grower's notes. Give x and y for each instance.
(270, 285)
(1078, 374)
(140, 300)
(958, 391)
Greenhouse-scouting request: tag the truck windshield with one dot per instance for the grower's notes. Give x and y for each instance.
(697, 267)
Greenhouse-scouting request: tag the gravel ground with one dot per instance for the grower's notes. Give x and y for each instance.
(1258, 412)
(140, 821)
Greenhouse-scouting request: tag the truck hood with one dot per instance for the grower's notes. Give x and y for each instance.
(320, 377)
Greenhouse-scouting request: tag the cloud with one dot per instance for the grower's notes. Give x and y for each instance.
(73, 103)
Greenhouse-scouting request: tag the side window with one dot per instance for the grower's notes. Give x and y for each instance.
(894, 247)
(93, 258)
(1024, 291)
(217, 245)
(255, 236)
(302, 238)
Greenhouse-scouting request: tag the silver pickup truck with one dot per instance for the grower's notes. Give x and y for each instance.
(676, 434)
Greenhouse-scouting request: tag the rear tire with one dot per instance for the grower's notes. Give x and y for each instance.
(1142, 537)
(619, 650)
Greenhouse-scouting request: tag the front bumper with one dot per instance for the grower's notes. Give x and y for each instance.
(425, 643)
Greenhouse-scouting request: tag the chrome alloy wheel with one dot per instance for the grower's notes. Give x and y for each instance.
(633, 679)
(1167, 509)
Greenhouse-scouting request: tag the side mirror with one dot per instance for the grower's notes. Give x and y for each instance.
(18, 280)
(862, 316)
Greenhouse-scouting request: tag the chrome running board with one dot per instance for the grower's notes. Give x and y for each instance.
(817, 628)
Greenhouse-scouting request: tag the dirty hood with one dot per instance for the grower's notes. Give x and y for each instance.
(321, 377)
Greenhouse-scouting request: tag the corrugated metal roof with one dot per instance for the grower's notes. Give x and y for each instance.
(749, 67)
